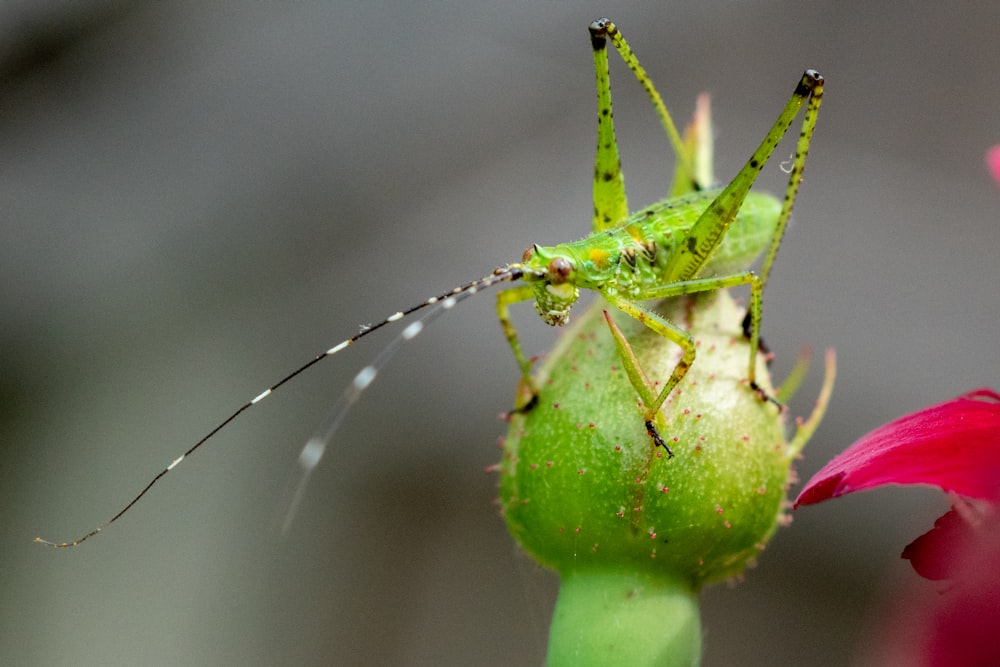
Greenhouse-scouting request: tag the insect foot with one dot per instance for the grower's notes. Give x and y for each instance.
(587, 493)
(766, 397)
(525, 402)
(654, 433)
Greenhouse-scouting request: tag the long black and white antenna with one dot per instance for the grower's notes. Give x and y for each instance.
(313, 451)
(315, 447)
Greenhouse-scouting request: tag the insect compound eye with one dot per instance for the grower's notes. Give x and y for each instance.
(528, 254)
(559, 270)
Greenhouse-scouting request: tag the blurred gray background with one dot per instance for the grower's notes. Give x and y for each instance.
(197, 197)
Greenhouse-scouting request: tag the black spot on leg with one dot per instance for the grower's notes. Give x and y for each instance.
(761, 345)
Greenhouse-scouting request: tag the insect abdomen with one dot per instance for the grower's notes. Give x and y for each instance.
(670, 221)
(748, 236)
(660, 226)
(634, 256)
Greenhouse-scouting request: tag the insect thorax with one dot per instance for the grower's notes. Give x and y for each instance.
(632, 259)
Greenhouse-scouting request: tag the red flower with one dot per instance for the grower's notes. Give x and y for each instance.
(955, 446)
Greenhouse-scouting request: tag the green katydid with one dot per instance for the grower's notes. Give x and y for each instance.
(697, 240)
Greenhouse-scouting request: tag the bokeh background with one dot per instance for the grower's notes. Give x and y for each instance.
(196, 197)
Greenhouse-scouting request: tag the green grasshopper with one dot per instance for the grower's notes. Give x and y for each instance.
(697, 240)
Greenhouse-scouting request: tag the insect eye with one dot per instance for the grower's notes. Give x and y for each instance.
(559, 270)
(528, 254)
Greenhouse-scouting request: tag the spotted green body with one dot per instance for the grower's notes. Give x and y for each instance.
(633, 260)
(698, 240)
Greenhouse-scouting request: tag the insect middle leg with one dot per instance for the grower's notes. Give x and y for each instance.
(652, 400)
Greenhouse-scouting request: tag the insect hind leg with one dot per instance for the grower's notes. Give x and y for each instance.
(811, 87)
(610, 200)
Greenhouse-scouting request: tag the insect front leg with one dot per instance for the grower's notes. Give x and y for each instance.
(528, 391)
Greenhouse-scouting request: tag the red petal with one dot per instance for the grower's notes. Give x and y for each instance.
(960, 623)
(954, 445)
(935, 554)
(993, 162)
(965, 619)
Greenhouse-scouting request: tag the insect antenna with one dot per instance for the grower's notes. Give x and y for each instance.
(314, 448)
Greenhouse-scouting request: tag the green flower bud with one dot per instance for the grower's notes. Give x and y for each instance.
(586, 493)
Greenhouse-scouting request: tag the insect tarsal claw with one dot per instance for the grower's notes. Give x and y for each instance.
(767, 398)
(657, 439)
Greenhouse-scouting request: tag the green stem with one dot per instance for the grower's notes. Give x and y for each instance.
(624, 618)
